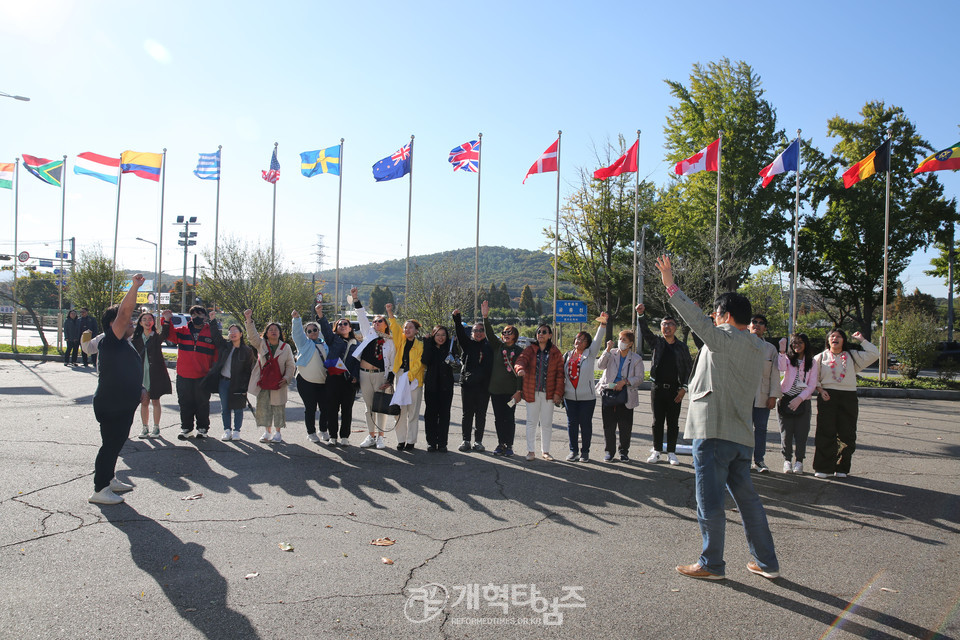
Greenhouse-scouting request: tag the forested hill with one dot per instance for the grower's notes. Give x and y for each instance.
(515, 267)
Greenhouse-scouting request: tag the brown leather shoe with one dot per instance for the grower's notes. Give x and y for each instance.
(753, 567)
(696, 571)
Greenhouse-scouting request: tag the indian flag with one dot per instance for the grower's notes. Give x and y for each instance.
(6, 175)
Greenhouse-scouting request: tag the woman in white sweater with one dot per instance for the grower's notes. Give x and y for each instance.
(837, 408)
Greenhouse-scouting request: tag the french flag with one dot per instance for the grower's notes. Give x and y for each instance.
(102, 167)
(707, 159)
(789, 160)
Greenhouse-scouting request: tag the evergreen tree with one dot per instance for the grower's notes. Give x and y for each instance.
(528, 307)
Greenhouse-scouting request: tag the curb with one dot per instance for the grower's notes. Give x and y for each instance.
(52, 357)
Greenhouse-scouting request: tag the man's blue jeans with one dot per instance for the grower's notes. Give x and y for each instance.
(761, 416)
(722, 465)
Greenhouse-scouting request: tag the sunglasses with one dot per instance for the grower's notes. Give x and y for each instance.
(379, 321)
(311, 330)
(478, 330)
(544, 332)
(343, 324)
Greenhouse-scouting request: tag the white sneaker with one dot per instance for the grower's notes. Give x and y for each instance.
(119, 487)
(381, 443)
(840, 475)
(155, 431)
(344, 442)
(265, 437)
(798, 467)
(324, 436)
(368, 442)
(818, 474)
(312, 437)
(236, 435)
(276, 438)
(654, 457)
(330, 442)
(227, 436)
(672, 458)
(787, 467)
(105, 496)
(145, 433)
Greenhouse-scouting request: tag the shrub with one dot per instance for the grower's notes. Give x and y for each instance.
(912, 337)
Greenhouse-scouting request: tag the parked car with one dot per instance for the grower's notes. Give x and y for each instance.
(947, 351)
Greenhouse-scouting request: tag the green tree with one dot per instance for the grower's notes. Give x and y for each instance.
(941, 262)
(729, 97)
(913, 336)
(922, 303)
(841, 252)
(528, 306)
(90, 283)
(39, 290)
(246, 278)
(596, 237)
(176, 296)
(435, 292)
(378, 300)
(768, 298)
(503, 296)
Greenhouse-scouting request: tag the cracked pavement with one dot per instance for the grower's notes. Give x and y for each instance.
(870, 556)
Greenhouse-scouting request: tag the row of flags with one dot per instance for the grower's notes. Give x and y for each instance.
(465, 157)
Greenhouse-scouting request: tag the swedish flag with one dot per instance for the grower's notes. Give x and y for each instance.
(320, 161)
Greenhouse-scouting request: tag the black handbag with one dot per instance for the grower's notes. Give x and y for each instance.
(784, 408)
(613, 398)
(381, 404)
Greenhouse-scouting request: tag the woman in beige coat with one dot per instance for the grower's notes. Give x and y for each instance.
(271, 403)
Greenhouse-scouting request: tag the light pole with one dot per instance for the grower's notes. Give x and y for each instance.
(186, 243)
(156, 292)
(20, 98)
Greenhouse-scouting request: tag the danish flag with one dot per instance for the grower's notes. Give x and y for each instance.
(546, 162)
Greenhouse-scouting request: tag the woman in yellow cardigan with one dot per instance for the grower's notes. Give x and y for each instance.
(408, 378)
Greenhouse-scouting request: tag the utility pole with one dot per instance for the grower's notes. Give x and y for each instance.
(186, 242)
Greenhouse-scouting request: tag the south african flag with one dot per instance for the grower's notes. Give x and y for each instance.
(50, 171)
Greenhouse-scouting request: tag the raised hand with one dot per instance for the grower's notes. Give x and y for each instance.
(456, 312)
(355, 293)
(167, 315)
(248, 314)
(640, 308)
(604, 317)
(665, 268)
(294, 314)
(858, 336)
(319, 310)
(138, 280)
(484, 308)
(212, 314)
(610, 345)
(389, 309)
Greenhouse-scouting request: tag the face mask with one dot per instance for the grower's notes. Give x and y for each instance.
(198, 322)
(623, 345)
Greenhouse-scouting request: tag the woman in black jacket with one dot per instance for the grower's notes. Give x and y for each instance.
(343, 376)
(71, 333)
(230, 376)
(156, 380)
(437, 388)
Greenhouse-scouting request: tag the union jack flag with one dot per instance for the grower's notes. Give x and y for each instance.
(273, 174)
(466, 157)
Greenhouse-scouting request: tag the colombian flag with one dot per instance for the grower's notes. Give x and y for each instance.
(878, 160)
(948, 158)
(145, 165)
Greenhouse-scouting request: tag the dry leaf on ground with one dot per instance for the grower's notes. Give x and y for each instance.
(285, 546)
(383, 542)
(386, 560)
(195, 496)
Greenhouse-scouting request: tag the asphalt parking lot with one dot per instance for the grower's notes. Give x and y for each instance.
(548, 549)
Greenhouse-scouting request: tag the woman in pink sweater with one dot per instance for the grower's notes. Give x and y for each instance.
(793, 409)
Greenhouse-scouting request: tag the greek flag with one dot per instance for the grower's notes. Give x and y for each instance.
(208, 166)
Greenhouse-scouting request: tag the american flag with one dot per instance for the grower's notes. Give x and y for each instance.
(466, 157)
(273, 174)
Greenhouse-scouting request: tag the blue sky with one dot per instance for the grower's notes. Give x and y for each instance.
(110, 76)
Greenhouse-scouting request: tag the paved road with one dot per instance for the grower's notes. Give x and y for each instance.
(873, 556)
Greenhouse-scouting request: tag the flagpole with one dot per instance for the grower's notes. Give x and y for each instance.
(796, 231)
(636, 217)
(163, 186)
(116, 228)
(16, 251)
(216, 217)
(406, 277)
(886, 250)
(63, 200)
(556, 238)
(716, 245)
(273, 224)
(336, 287)
(476, 257)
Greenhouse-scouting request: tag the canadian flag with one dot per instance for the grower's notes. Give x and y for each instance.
(707, 159)
(546, 162)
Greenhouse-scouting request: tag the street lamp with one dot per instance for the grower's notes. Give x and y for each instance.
(156, 292)
(8, 95)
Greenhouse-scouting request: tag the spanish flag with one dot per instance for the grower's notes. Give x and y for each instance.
(145, 165)
(942, 160)
(878, 160)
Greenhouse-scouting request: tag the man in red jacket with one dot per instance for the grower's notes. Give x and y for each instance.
(196, 353)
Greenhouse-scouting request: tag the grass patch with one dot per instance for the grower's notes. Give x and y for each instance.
(51, 350)
(903, 383)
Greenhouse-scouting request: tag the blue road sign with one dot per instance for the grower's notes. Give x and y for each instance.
(571, 311)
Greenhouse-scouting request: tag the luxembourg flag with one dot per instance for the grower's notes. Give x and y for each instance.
(102, 167)
(707, 159)
(789, 160)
